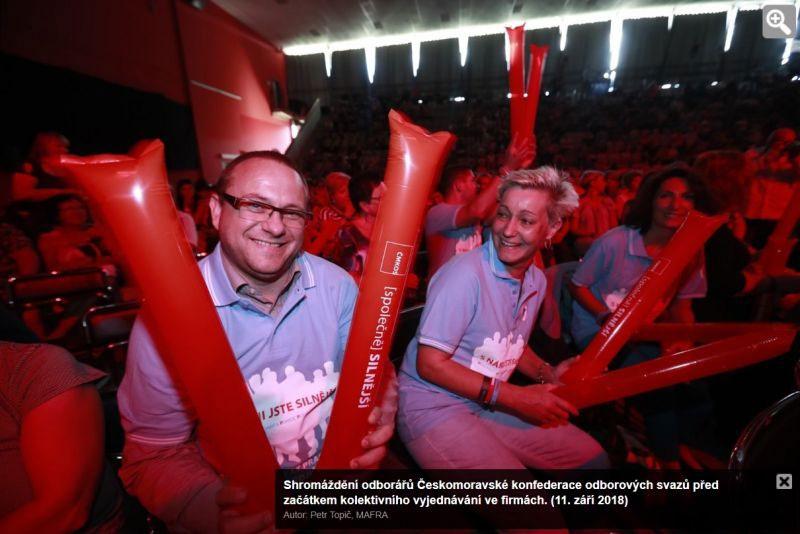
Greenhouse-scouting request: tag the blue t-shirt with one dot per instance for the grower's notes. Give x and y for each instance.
(480, 314)
(610, 269)
(290, 362)
(444, 239)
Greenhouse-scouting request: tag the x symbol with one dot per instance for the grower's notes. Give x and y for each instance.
(784, 481)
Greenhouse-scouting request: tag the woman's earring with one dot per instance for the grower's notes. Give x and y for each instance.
(548, 243)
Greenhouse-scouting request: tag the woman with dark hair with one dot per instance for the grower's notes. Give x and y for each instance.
(73, 243)
(353, 238)
(614, 264)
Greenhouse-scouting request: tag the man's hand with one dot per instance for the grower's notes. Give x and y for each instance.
(383, 417)
(232, 521)
(537, 405)
(520, 153)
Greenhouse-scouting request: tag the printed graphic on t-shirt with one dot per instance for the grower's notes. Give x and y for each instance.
(498, 356)
(291, 411)
(615, 298)
(467, 243)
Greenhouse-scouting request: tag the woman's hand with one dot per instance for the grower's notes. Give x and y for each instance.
(537, 405)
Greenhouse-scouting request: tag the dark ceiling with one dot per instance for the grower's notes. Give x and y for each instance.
(302, 22)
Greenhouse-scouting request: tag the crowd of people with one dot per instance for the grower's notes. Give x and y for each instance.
(283, 252)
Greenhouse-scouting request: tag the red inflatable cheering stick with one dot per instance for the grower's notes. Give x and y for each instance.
(132, 196)
(716, 357)
(516, 76)
(645, 296)
(524, 97)
(415, 161)
(780, 244)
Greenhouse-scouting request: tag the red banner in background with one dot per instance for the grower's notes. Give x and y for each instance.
(132, 196)
(415, 161)
(651, 292)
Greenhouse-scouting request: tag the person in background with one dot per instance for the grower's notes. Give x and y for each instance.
(328, 219)
(771, 188)
(33, 182)
(630, 182)
(455, 225)
(596, 213)
(206, 233)
(353, 238)
(18, 257)
(54, 477)
(186, 204)
(73, 243)
(612, 267)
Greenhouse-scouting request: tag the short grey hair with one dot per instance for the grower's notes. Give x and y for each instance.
(563, 198)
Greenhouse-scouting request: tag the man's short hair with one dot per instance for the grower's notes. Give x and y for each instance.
(449, 177)
(563, 198)
(266, 155)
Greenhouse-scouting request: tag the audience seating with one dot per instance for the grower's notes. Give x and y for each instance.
(48, 288)
(107, 327)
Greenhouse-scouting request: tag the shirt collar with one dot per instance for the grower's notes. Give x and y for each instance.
(636, 244)
(498, 268)
(221, 288)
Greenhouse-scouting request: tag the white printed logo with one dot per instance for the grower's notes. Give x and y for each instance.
(291, 410)
(498, 357)
(465, 244)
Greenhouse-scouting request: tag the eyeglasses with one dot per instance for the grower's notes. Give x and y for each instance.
(253, 210)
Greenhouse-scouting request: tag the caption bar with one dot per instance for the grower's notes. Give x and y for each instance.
(512, 499)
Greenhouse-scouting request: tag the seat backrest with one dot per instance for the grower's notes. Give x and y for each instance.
(771, 441)
(42, 287)
(111, 324)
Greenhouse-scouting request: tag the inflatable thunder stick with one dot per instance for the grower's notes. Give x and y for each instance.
(780, 244)
(414, 163)
(524, 97)
(644, 296)
(534, 88)
(133, 198)
(699, 332)
(716, 357)
(516, 83)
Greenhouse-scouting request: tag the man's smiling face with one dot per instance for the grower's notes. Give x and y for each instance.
(260, 251)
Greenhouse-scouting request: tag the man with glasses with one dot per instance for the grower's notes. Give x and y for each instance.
(287, 316)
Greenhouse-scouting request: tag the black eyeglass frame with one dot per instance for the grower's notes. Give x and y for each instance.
(238, 203)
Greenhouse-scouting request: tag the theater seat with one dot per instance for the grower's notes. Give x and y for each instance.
(52, 304)
(106, 330)
(37, 289)
(771, 442)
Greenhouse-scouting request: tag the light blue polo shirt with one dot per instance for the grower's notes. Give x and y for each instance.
(444, 239)
(290, 362)
(610, 269)
(480, 314)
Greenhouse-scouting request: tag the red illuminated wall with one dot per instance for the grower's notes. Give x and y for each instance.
(205, 59)
(228, 69)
